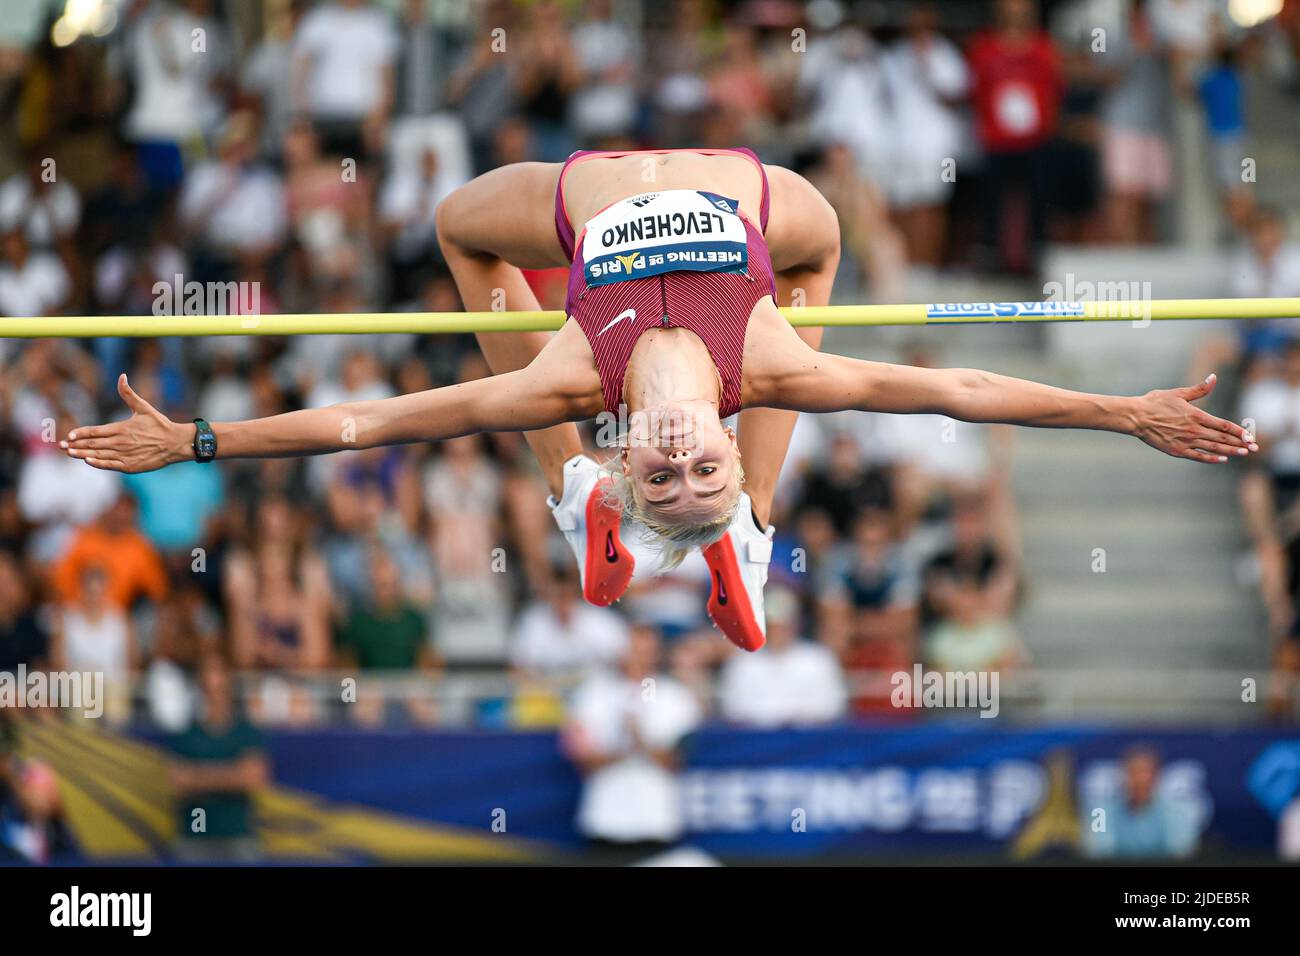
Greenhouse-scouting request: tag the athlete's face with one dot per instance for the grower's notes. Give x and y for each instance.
(682, 463)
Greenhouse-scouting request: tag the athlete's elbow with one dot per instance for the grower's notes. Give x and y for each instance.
(964, 390)
(568, 400)
(445, 218)
(359, 425)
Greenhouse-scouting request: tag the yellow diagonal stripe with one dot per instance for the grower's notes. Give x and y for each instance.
(114, 788)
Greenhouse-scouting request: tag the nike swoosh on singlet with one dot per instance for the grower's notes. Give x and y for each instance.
(629, 314)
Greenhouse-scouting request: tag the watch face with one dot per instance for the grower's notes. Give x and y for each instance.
(207, 445)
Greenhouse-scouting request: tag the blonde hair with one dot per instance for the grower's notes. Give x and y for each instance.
(673, 541)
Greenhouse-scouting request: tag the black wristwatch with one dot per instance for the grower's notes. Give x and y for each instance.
(205, 442)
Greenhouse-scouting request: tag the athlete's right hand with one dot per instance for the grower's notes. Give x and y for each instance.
(144, 442)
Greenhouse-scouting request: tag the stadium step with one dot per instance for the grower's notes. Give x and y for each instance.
(1171, 532)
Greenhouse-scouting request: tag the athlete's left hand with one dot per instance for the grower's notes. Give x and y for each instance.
(1169, 422)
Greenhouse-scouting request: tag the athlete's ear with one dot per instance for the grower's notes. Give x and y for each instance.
(622, 457)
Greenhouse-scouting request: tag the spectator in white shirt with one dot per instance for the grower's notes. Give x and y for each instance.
(462, 494)
(790, 683)
(925, 77)
(57, 493)
(625, 733)
(843, 76)
(1288, 831)
(213, 47)
(94, 635)
(343, 58)
(45, 207)
(560, 636)
(1273, 405)
(31, 282)
(608, 55)
(49, 375)
(1270, 490)
(267, 75)
(237, 208)
(1188, 26)
(168, 76)
(1265, 265)
(408, 203)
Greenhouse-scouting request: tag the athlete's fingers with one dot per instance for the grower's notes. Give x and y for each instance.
(132, 400)
(94, 431)
(1198, 391)
(1196, 454)
(89, 444)
(1226, 427)
(1208, 442)
(105, 464)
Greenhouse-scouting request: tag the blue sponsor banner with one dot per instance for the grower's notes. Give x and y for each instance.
(852, 790)
(682, 257)
(1004, 310)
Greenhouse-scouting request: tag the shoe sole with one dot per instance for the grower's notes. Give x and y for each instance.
(728, 604)
(609, 563)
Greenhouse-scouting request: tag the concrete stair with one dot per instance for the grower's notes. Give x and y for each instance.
(1168, 601)
(1171, 533)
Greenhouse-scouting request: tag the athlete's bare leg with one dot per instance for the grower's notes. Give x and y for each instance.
(764, 438)
(504, 220)
(803, 235)
(765, 433)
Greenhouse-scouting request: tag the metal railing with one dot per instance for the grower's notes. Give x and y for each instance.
(466, 699)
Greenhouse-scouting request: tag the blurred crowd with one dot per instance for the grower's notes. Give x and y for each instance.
(288, 156)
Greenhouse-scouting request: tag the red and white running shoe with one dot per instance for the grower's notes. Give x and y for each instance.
(738, 564)
(590, 522)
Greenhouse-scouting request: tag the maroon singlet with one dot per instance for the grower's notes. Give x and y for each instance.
(714, 305)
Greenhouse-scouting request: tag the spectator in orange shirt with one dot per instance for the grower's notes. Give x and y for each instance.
(113, 542)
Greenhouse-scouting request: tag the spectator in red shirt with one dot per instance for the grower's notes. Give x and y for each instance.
(1018, 88)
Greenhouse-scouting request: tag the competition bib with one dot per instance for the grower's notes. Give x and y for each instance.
(1017, 109)
(672, 231)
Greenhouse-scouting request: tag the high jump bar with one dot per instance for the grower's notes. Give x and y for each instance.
(359, 323)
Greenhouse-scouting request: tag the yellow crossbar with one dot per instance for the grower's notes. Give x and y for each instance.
(358, 323)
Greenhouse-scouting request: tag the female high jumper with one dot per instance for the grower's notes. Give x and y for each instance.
(672, 327)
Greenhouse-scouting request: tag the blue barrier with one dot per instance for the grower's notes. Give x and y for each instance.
(850, 790)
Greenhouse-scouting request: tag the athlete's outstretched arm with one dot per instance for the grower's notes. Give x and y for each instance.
(803, 236)
(1165, 418)
(517, 401)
